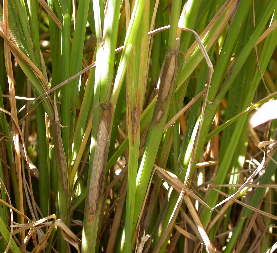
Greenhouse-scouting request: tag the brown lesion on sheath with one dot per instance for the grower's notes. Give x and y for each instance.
(135, 120)
(167, 80)
(99, 164)
(160, 114)
(168, 76)
(104, 106)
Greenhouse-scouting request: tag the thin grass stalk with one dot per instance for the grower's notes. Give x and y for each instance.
(8, 142)
(98, 69)
(128, 44)
(189, 16)
(65, 70)
(185, 151)
(167, 220)
(44, 180)
(55, 48)
(118, 214)
(3, 212)
(151, 210)
(156, 54)
(3, 72)
(117, 115)
(62, 182)
(98, 17)
(134, 97)
(96, 184)
(133, 116)
(40, 117)
(33, 10)
(77, 55)
(167, 87)
(176, 132)
(81, 150)
(55, 37)
(105, 62)
(78, 139)
(93, 84)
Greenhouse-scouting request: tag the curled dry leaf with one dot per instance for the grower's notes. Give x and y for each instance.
(177, 184)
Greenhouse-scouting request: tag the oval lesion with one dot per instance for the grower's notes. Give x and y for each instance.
(104, 106)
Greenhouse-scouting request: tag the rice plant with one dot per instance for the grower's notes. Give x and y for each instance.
(138, 126)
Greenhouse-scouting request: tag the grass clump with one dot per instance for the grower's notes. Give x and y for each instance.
(125, 126)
